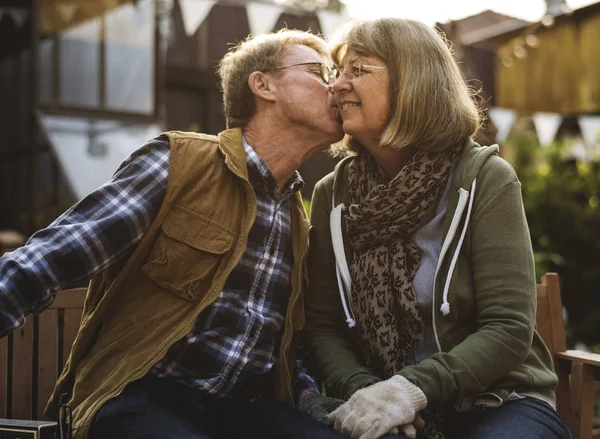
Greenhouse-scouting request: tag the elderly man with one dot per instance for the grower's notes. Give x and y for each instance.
(196, 251)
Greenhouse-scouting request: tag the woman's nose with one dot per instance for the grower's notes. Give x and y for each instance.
(340, 84)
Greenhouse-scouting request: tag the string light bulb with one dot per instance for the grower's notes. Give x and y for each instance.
(548, 20)
(519, 52)
(507, 61)
(532, 41)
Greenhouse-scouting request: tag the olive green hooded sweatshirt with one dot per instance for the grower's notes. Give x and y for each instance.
(484, 302)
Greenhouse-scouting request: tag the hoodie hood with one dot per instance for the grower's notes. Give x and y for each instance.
(472, 159)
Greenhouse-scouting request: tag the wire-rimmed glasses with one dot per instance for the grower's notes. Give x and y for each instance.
(327, 73)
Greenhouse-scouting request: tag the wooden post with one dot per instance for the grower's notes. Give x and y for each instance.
(32, 119)
(582, 400)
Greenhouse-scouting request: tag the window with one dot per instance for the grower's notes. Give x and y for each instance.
(93, 57)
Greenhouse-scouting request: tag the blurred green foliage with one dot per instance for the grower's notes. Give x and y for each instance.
(307, 206)
(561, 195)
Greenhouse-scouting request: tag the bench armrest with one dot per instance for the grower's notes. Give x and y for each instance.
(583, 357)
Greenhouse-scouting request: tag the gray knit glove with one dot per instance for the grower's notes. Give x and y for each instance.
(318, 407)
(375, 410)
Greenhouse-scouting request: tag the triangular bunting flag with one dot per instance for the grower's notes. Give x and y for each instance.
(503, 119)
(330, 21)
(18, 15)
(262, 17)
(546, 126)
(590, 129)
(194, 12)
(66, 11)
(578, 151)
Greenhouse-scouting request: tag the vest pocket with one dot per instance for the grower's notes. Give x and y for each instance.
(186, 250)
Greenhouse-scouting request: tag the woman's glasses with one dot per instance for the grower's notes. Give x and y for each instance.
(354, 72)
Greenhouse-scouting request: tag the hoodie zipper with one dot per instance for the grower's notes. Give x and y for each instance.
(462, 203)
(289, 319)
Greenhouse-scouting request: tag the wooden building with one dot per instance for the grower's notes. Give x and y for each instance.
(548, 66)
(83, 83)
(559, 73)
(478, 61)
(473, 40)
(80, 87)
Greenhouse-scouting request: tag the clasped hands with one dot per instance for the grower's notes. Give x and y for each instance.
(387, 407)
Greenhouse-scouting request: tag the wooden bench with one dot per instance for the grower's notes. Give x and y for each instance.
(577, 371)
(32, 358)
(10, 240)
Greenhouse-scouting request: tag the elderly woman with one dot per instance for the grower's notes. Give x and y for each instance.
(422, 285)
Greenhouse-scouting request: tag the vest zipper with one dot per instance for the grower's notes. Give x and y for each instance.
(153, 361)
(289, 319)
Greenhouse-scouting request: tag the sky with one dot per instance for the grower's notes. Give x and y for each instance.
(432, 11)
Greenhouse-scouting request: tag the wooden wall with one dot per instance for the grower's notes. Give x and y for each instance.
(561, 75)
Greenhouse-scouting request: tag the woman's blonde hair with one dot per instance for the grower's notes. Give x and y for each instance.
(431, 106)
(261, 53)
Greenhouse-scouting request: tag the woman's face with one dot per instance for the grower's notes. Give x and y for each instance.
(361, 93)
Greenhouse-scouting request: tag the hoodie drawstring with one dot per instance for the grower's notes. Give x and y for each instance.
(341, 266)
(445, 308)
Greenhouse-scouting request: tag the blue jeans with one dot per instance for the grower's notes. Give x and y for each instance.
(156, 409)
(527, 418)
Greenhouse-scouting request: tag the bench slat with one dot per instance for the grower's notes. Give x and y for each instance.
(543, 325)
(3, 376)
(68, 299)
(47, 372)
(22, 368)
(32, 374)
(72, 321)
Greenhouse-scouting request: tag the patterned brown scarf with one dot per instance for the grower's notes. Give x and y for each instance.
(381, 220)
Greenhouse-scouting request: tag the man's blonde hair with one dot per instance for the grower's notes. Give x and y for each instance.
(431, 106)
(262, 54)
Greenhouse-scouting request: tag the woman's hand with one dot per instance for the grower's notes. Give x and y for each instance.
(375, 410)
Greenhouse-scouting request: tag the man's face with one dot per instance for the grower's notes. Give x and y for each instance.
(304, 98)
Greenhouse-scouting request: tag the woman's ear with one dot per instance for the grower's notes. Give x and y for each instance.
(262, 85)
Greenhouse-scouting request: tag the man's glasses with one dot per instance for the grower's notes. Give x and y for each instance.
(326, 73)
(353, 72)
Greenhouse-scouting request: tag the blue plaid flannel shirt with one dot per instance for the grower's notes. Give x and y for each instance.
(234, 342)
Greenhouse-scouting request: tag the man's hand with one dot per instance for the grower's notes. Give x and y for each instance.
(409, 430)
(317, 406)
(375, 410)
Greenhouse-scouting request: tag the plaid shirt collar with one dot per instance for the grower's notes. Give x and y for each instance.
(262, 179)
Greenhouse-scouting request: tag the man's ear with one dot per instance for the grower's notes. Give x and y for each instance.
(262, 85)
